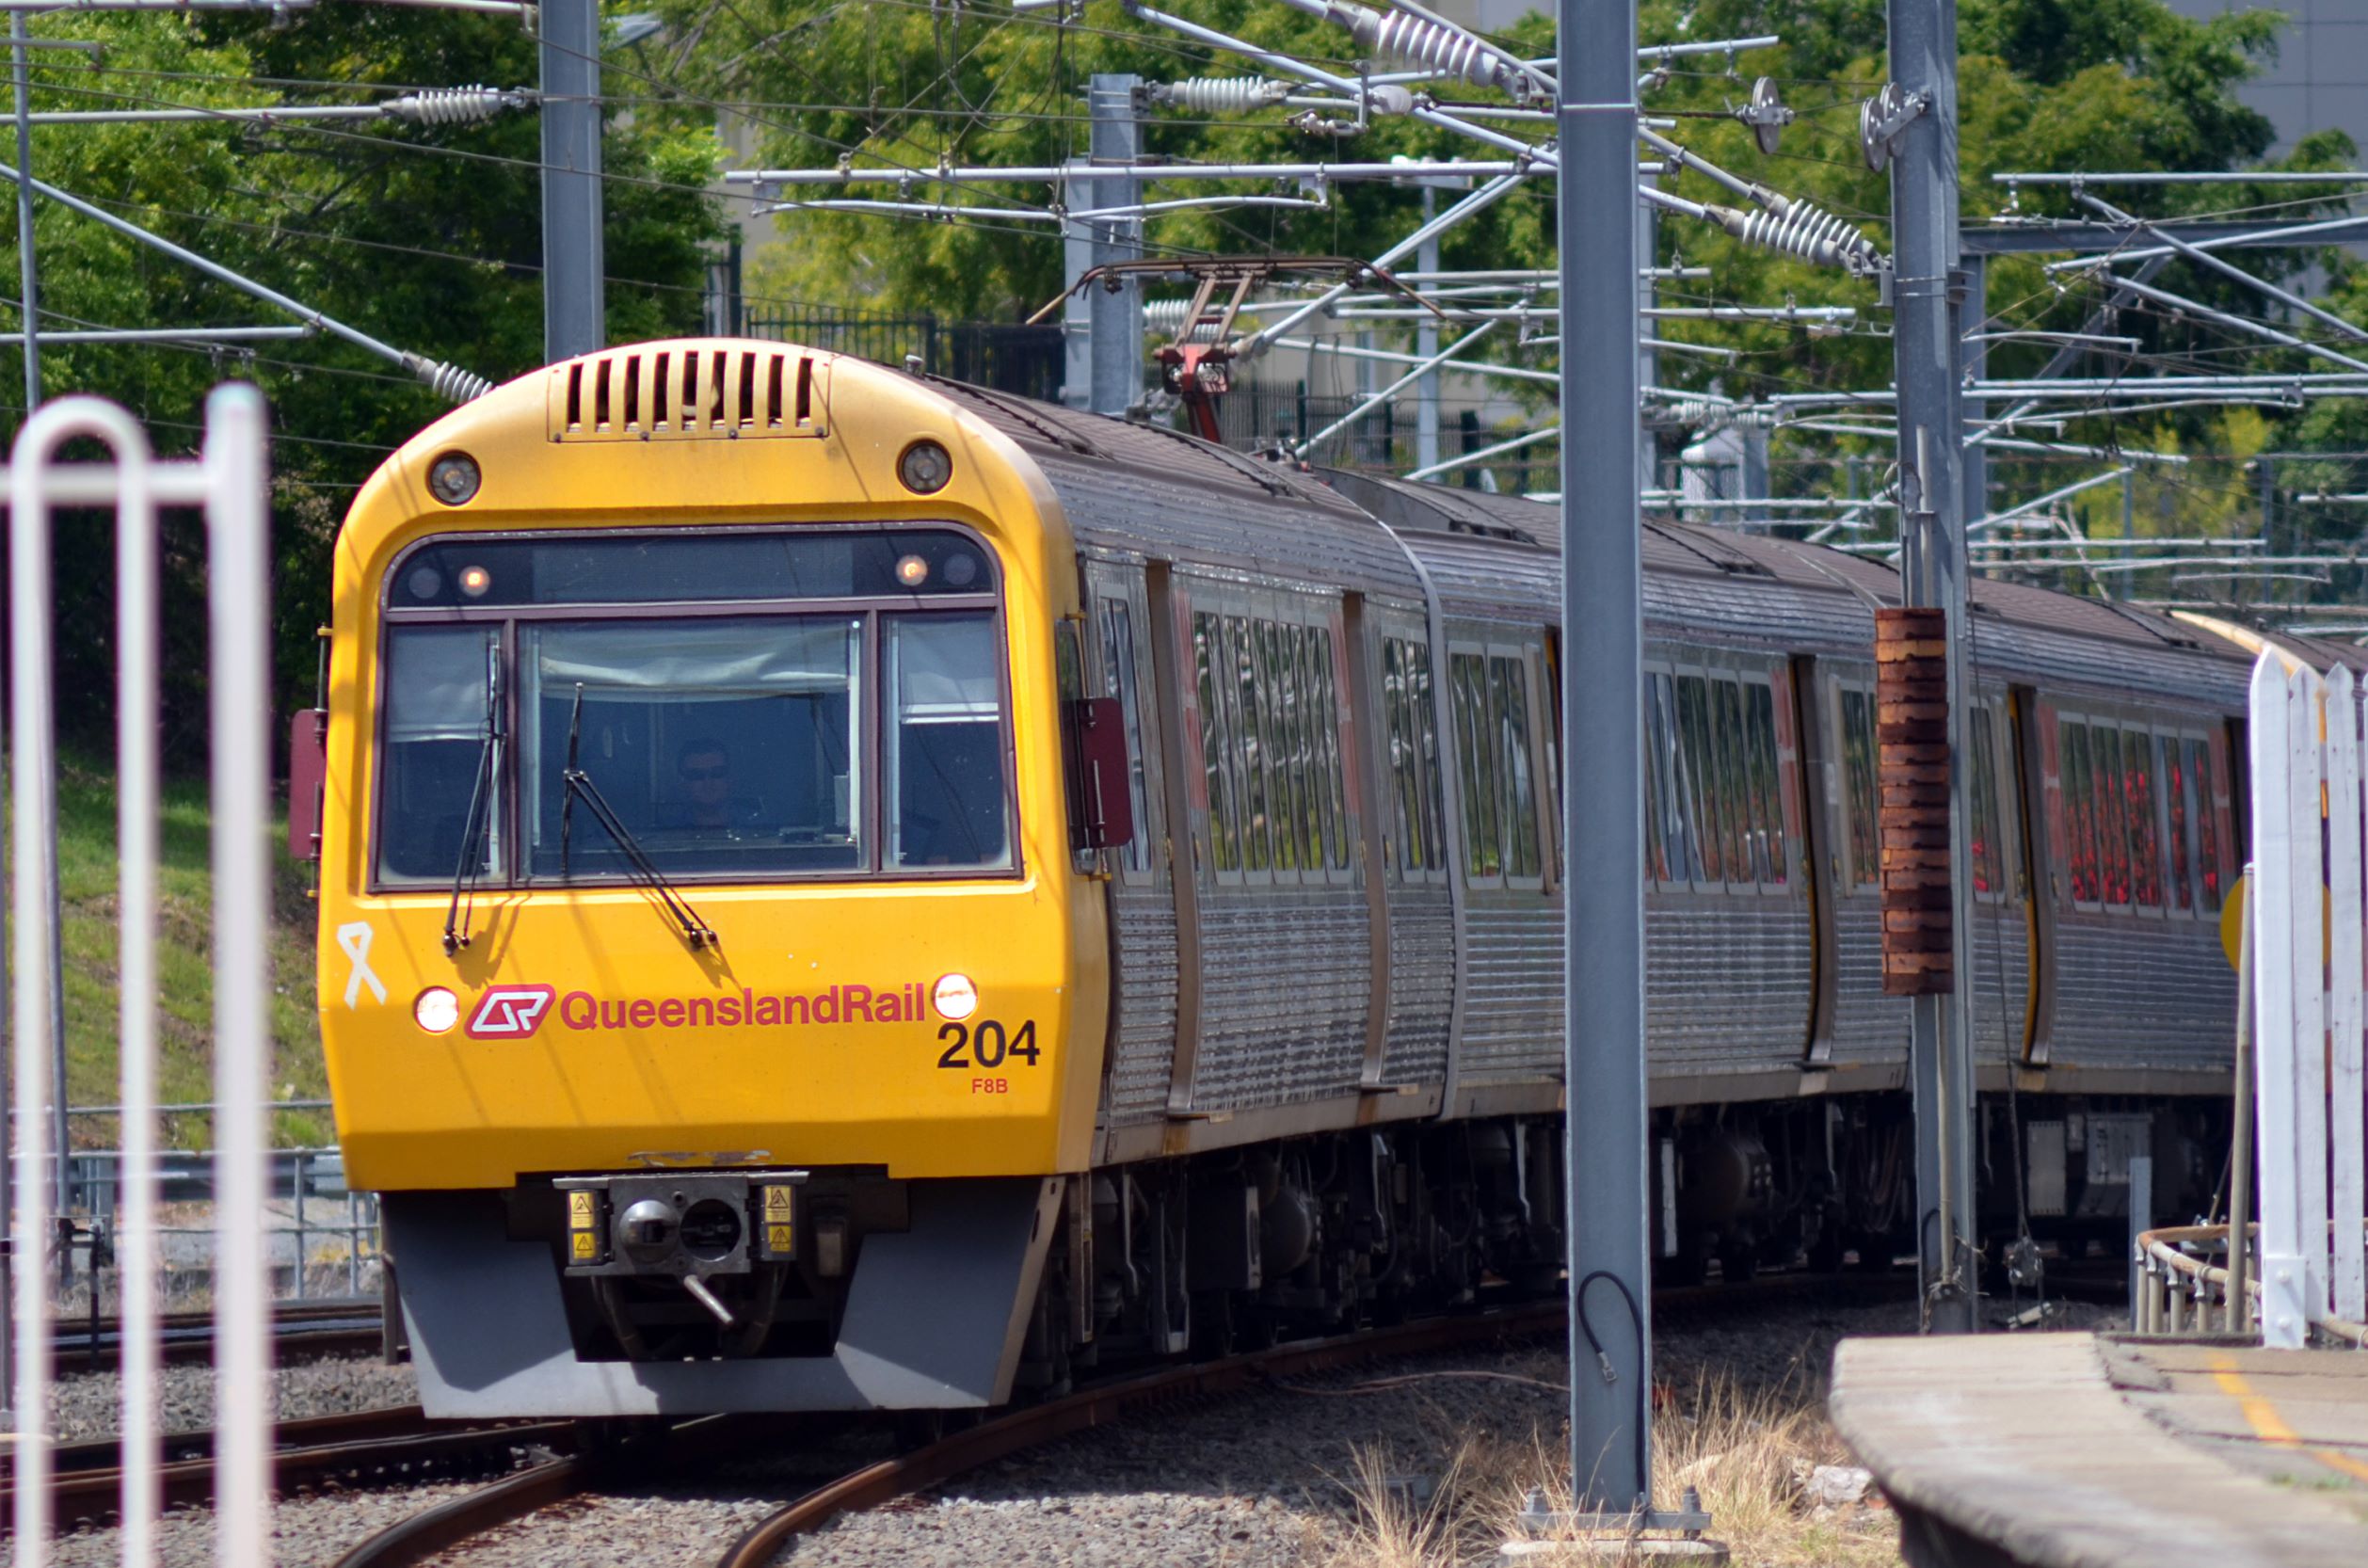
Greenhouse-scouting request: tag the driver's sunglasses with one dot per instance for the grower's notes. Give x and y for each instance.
(700, 776)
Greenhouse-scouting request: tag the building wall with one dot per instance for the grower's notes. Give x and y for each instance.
(2319, 81)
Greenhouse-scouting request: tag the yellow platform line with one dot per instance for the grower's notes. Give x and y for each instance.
(2270, 1427)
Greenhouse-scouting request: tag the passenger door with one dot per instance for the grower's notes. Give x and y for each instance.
(1143, 969)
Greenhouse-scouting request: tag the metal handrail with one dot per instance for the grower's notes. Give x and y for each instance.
(2160, 1246)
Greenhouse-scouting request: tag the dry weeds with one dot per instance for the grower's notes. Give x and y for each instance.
(1747, 1451)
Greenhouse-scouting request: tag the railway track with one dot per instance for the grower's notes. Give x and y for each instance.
(299, 1329)
(372, 1446)
(416, 1539)
(399, 1445)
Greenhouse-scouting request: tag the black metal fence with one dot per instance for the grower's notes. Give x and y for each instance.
(1005, 357)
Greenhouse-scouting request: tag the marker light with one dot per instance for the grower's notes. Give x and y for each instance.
(474, 581)
(437, 1010)
(453, 478)
(955, 996)
(912, 572)
(925, 467)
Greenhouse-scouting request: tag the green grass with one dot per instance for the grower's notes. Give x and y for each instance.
(86, 872)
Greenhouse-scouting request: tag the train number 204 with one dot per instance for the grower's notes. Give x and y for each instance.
(989, 1042)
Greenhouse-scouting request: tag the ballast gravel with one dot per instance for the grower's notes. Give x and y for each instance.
(1259, 1479)
(84, 1406)
(1271, 1477)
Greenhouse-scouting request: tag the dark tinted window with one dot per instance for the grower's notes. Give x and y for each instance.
(645, 569)
(438, 685)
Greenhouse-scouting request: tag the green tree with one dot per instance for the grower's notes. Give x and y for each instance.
(425, 237)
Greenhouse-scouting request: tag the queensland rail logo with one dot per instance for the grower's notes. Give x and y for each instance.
(900, 1002)
(510, 1013)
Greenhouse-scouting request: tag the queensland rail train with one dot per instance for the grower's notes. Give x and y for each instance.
(842, 890)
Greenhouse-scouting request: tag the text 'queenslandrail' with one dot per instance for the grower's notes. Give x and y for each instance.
(833, 1005)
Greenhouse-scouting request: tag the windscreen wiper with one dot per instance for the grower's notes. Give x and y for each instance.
(695, 931)
(478, 829)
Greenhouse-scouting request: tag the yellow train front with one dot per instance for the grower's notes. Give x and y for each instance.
(705, 978)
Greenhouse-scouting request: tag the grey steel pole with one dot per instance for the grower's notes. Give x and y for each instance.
(1102, 365)
(1427, 345)
(2240, 1165)
(1976, 358)
(1751, 472)
(1926, 348)
(28, 272)
(2141, 1179)
(1648, 360)
(28, 285)
(1115, 137)
(1603, 808)
(575, 307)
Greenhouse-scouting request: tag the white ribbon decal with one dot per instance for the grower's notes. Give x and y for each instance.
(355, 938)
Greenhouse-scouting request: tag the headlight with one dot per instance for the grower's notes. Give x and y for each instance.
(955, 996)
(435, 1010)
(453, 478)
(925, 467)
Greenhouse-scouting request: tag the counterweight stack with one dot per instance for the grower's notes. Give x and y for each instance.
(1911, 738)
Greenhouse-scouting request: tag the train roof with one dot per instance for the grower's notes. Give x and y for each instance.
(1677, 547)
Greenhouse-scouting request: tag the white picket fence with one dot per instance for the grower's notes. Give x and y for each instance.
(2309, 969)
(229, 482)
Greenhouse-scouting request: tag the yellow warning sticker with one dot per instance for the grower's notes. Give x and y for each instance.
(780, 1238)
(585, 1245)
(777, 1200)
(579, 1208)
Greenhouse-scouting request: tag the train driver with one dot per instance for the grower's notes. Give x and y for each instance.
(705, 768)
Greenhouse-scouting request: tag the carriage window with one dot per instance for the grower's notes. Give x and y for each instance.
(2171, 765)
(2080, 819)
(1774, 864)
(439, 685)
(1509, 696)
(1985, 851)
(2207, 827)
(1208, 663)
(1483, 852)
(1858, 767)
(1698, 746)
(2138, 786)
(1279, 688)
(2112, 830)
(1326, 716)
(1665, 771)
(1740, 804)
(1118, 681)
(1414, 751)
(1252, 763)
(1656, 854)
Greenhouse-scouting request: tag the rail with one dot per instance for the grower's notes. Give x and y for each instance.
(391, 1443)
(422, 1536)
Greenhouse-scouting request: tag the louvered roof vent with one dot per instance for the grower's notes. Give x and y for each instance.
(658, 391)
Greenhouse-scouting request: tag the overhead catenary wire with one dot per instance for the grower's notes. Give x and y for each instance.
(449, 381)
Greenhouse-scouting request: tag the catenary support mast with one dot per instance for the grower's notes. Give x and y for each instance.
(1602, 721)
(1103, 366)
(1925, 348)
(575, 309)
